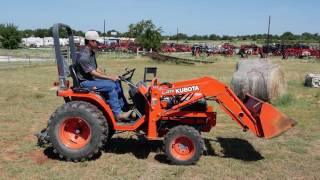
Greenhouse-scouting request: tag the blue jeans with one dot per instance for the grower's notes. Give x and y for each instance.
(107, 89)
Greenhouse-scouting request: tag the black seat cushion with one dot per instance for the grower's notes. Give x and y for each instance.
(74, 73)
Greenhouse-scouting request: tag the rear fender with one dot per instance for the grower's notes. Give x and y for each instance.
(92, 98)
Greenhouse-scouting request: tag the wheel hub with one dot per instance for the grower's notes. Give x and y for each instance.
(74, 133)
(182, 148)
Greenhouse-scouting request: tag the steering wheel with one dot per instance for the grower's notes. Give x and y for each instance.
(127, 76)
(169, 85)
(154, 82)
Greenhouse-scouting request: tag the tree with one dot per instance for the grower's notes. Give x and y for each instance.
(78, 33)
(42, 33)
(195, 37)
(10, 36)
(146, 34)
(226, 38)
(287, 36)
(307, 36)
(151, 39)
(27, 33)
(179, 36)
(214, 37)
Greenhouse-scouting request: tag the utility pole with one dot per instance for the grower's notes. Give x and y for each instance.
(268, 37)
(104, 32)
(177, 34)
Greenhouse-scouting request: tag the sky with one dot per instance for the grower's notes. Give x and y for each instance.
(222, 17)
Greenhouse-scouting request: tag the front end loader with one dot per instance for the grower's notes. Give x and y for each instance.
(175, 112)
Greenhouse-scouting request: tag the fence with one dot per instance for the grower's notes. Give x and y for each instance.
(7, 62)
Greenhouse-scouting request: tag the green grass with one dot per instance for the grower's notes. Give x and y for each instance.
(204, 57)
(27, 102)
(284, 100)
(116, 55)
(48, 53)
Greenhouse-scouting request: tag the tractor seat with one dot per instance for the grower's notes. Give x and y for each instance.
(75, 73)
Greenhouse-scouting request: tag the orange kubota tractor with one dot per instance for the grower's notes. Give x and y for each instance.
(176, 112)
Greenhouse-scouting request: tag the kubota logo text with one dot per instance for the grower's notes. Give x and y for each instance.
(182, 90)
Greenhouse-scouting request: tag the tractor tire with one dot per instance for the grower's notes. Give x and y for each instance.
(183, 145)
(110, 134)
(77, 131)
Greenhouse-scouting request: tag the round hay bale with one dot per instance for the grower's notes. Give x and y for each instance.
(259, 78)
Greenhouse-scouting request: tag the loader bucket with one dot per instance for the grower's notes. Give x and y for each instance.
(270, 122)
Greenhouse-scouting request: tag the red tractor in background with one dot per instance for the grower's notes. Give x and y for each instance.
(168, 48)
(227, 49)
(176, 112)
(250, 49)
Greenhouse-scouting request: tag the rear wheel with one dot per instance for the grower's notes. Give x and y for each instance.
(77, 130)
(183, 145)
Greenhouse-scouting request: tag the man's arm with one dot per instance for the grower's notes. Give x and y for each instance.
(92, 70)
(100, 70)
(100, 75)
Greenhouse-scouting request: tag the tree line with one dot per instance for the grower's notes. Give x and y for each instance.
(149, 35)
(146, 34)
(286, 37)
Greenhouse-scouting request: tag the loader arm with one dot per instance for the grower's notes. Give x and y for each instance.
(259, 117)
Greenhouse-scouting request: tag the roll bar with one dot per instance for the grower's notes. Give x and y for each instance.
(62, 64)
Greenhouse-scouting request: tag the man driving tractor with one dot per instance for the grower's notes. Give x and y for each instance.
(95, 79)
(81, 127)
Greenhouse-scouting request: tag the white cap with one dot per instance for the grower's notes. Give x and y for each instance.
(92, 35)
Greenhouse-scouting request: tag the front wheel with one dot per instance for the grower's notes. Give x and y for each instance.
(77, 130)
(183, 145)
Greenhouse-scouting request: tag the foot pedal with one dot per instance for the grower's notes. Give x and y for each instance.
(129, 122)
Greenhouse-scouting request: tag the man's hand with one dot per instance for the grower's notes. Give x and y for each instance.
(97, 74)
